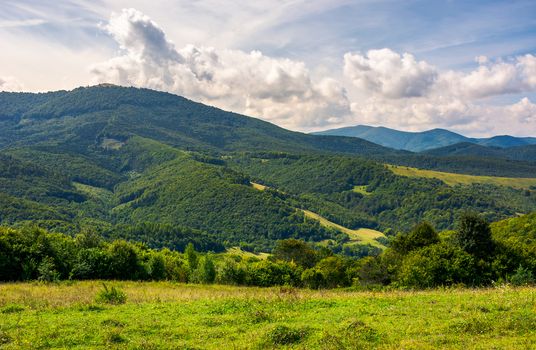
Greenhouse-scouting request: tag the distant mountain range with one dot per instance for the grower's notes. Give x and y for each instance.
(424, 140)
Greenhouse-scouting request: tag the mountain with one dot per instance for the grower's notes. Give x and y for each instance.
(422, 141)
(411, 141)
(506, 141)
(519, 153)
(155, 167)
(115, 112)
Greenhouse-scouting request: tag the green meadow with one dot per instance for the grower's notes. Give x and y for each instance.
(453, 179)
(360, 236)
(165, 315)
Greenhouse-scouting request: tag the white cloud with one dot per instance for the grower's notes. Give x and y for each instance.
(22, 23)
(393, 89)
(279, 90)
(524, 111)
(498, 78)
(10, 84)
(389, 74)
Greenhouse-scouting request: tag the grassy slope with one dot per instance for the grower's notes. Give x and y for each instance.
(361, 235)
(244, 254)
(168, 315)
(461, 179)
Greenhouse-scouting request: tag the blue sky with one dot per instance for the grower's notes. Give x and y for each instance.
(315, 64)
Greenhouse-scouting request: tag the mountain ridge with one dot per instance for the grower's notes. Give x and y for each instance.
(423, 140)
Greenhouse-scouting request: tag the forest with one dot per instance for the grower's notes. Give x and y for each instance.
(475, 254)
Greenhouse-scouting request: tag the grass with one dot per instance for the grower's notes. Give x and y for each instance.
(362, 235)
(258, 186)
(245, 254)
(362, 190)
(111, 144)
(95, 192)
(452, 179)
(163, 315)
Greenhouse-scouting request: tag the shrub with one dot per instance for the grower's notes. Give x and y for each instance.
(522, 277)
(111, 295)
(12, 309)
(47, 271)
(283, 335)
(436, 265)
(205, 271)
(114, 336)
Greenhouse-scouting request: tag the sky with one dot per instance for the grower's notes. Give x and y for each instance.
(306, 65)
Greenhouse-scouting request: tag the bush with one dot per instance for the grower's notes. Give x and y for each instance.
(283, 335)
(436, 265)
(522, 277)
(47, 271)
(205, 272)
(111, 295)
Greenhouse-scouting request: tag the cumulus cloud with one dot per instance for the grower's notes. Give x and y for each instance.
(396, 89)
(524, 111)
(379, 87)
(498, 78)
(10, 84)
(279, 90)
(389, 74)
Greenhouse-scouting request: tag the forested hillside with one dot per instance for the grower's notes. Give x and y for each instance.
(158, 168)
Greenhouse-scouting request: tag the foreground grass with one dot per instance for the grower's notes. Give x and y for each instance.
(166, 315)
(452, 179)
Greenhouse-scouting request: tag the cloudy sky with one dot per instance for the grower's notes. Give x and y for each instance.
(468, 66)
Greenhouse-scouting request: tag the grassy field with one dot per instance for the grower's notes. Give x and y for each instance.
(362, 235)
(245, 254)
(452, 179)
(362, 190)
(162, 315)
(258, 186)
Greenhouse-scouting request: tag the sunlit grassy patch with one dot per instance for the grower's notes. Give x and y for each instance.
(362, 190)
(452, 179)
(361, 235)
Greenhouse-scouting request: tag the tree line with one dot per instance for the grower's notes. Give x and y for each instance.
(421, 258)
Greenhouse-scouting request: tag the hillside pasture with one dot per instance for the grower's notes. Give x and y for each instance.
(453, 179)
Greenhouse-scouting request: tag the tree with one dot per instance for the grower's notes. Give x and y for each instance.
(295, 250)
(330, 272)
(191, 256)
(436, 265)
(205, 272)
(123, 260)
(474, 236)
(420, 236)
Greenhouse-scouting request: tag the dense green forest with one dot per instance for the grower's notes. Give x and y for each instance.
(474, 254)
(156, 168)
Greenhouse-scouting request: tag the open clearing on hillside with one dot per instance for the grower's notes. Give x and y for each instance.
(246, 254)
(452, 179)
(362, 235)
(164, 315)
(258, 186)
(362, 190)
